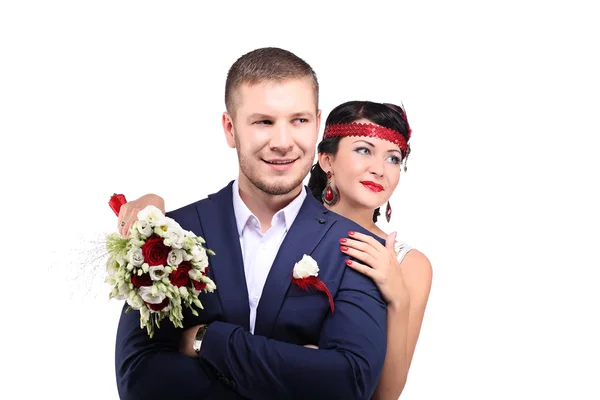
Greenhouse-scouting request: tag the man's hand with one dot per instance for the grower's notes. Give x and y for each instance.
(186, 345)
(311, 346)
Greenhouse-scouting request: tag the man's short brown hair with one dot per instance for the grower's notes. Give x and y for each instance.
(266, 64)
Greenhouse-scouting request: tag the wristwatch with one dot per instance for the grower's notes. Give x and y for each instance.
(199, 337)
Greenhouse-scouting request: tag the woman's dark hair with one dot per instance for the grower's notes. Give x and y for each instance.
(384, 114)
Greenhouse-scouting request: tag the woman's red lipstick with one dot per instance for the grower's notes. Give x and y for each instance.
(376, 187)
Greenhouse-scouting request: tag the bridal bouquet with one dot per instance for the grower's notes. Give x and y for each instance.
(158, 269)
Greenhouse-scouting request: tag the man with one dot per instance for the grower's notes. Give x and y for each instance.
(250, 341)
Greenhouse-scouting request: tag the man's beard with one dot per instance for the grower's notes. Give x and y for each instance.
(275, 188)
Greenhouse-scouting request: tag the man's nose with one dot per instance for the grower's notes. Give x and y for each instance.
(282, 140)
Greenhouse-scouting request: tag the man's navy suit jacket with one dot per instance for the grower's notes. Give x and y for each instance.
(272, 363)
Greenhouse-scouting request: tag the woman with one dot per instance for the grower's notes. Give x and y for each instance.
(360, 157)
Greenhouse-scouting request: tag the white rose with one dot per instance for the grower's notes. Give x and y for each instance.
(175, 257)
(188, 241)
(135, 256)
(144, 227)
(187, 256)
(195, 274)
(161, 231)
(172, 224)
(198, 253)
(201, 264)
(157, 272)
(210, 285)
(306, 267)
(135, 302)
(148, 297)
(174, 237)
(165, 224)
(150, 214)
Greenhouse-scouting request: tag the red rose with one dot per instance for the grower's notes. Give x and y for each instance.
(198, 285)
(155, 252)
(141, 280)
(180, 276)
(158, 307)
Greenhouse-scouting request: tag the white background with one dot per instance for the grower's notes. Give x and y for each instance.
(501, 191)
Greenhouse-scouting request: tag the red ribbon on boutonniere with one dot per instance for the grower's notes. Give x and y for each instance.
(116, 201)
(305, 277)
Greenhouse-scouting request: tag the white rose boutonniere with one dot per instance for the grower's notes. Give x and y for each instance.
(306, 267)
(304, 275)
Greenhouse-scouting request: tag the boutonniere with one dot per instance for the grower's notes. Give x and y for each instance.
(305, 277)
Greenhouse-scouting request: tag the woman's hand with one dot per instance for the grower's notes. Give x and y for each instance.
(384, 268)
(129, 211)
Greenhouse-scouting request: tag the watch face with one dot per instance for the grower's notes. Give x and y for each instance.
(197, 344)
(201, 332)
(199, 337)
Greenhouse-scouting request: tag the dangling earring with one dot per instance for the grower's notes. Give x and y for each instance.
(329, 194)
(388, 212)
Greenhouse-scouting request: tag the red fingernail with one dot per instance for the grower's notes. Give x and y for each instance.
(351, 233)
(349, 262)
(344, 248)
(343, 240)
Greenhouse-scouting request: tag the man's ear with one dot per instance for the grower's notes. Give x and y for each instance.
(318, 119)
(228, 129)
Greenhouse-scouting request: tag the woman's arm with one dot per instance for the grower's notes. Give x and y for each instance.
(405, 316)
(405, 288)
(418, 274)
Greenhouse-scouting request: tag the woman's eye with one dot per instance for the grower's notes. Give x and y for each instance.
(362, 150)
(394, 159)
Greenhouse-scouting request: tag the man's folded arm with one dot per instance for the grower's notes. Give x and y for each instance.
(347, 364)
(153, 368)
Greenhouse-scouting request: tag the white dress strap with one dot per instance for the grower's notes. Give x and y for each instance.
(401, 249)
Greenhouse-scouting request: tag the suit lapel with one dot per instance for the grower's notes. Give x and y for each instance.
(308, 229)
(221, 234)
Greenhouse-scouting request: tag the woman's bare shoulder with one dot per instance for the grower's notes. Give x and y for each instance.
(417, 269)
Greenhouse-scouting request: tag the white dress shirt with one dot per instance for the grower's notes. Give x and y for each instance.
(259, 249)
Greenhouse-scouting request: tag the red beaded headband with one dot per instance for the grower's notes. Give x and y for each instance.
(367, 130)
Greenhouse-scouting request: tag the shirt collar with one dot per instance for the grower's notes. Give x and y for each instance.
(243, 213)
